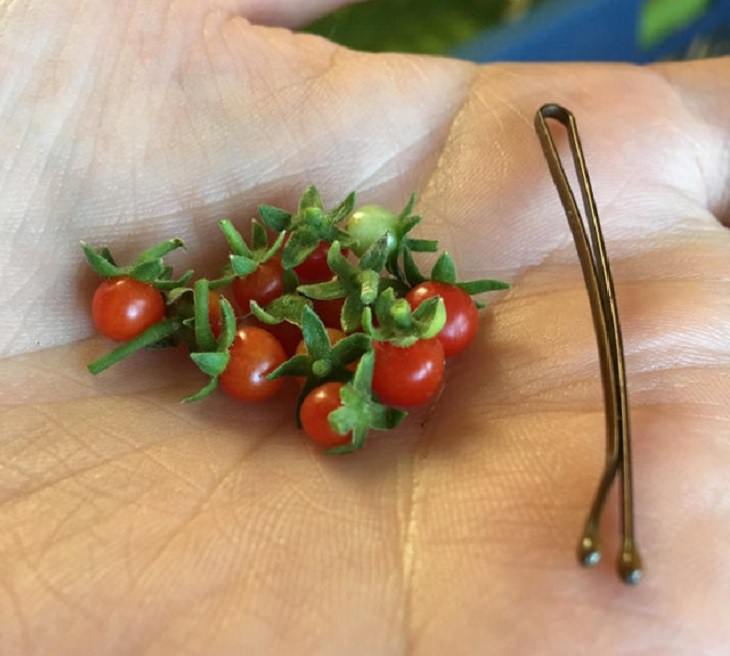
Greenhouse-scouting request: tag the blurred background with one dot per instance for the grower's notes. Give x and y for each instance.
(535, 30)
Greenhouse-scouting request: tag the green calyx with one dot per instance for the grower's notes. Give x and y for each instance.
(246, 258)
(359, 284)
(359, 411)
(398, 324)
(444, 271)
(323, 361)
(289, 307)
(149, 267)
(308, 226)
(400, 257)
(213, 355)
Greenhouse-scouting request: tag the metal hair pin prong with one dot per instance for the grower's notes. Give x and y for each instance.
(591, 249)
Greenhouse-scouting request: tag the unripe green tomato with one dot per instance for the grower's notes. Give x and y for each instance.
(367, 224)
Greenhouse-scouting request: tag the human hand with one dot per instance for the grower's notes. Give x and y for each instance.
(131, 524)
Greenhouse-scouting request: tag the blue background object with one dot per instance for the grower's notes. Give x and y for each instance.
(594, 30)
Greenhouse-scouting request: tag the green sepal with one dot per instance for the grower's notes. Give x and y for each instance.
(480, 286)
(410, 268)
(310, 198)
(344, 209)
(259, 238)
(444, 270)
(289, 307)
(225, 280)
(214, 360)
(169, 285)
(324, 291)
(149, 267)
(299, 366)
(272, 250)
(315, 335)
(351, 314)
(154, 334)
(212, 364)
(245, 259)
(350, 349)
(158, 251)
(275, 218)
(235, 240)
(429, 318)
(107, 254)
(358, 287)
(300, 245)
(375, 257)
(202, 393)
(147, 271)
(359, 412)
(242, 265)
(174, 295)
(228, 327)
(401, 325)
(101, 264)
(422, 245)
(203, 332)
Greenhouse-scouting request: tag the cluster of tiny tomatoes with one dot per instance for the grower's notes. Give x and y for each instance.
(332, 300)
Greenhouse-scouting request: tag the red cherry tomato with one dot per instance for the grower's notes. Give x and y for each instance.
(314, 414)
(287, 333)
(330, 311)
(263, 285)
(462, 318)
(123, 308)
(315, 267)
(255, 354)
(408, 376)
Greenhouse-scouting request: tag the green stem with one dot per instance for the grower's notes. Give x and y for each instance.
(151, 336)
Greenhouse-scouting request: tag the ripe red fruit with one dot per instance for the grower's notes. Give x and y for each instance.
(123, 308)
(255, 353)
(462, 318)
(330, 311)
(408, 376)
(314, 415)
(263, 285)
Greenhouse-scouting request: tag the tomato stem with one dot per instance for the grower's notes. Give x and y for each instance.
(152, 335)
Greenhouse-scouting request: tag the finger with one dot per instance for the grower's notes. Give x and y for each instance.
(288, 13)
(704, 88)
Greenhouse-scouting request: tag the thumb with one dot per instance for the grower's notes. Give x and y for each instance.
(287, 13)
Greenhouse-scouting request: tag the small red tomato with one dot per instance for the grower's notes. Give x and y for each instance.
(330, 311)
(255, 353)
(462, 318)
(287, 333)
(214, 313)
(263, 285)
(123, 308)
(408, 376)
(315, 267)
(315, 412)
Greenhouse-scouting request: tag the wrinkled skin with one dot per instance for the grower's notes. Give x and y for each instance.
(132, 525)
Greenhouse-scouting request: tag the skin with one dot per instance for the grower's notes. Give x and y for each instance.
(130, 524)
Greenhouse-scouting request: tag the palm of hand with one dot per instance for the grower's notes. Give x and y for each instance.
(137, 525)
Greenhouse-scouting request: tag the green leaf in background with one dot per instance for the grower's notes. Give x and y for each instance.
(420, 26)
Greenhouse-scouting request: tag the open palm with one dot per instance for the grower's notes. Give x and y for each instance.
(130, 524)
